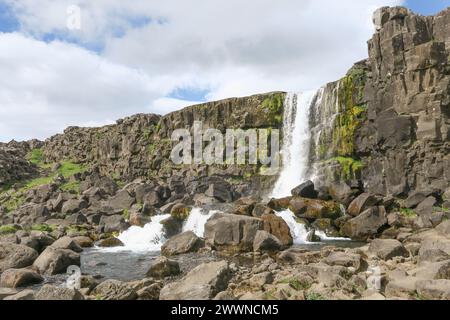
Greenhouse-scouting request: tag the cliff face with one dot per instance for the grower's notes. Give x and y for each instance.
(405, 140)
(140, 146)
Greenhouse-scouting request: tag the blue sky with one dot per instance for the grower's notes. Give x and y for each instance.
(427, 7)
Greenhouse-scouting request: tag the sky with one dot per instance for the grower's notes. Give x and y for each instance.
(89, 63)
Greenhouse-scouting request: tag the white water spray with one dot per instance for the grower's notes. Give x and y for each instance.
(197, 220)
(296, 142)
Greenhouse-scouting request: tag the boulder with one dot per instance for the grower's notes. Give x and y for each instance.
(162, 268)
(172, 226)
(340, 192)
(115, 223)
(73, 206)
(110, 243)
(122, 200)
(401, 288)
(444, 228)
(314, 209)
(434, 289)
(66, 243)
(387, 249)
(55, 261)
(415, 198)
(277, 227)
(344, 259)
(264, 241)
(305, 190)
(77, 219)
(221, 190)
(114, 290)
(83, 242)
(425, 208)
(49, 292)
(433, 271)
(260, 209)
(7, 292)
(231, 232)
(183, 243)
(16, 256)
(37, 240)
(361, 203)
(201, 283)
(22, 295)
(180, 211)
(14, 278)
(365, 225)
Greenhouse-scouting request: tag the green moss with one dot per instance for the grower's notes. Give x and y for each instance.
(408, 212)
(273, 106)
(36, 156)
(296, 284)
(8, 229)
(126, 214)
(441, 209)
(71, 187)
(15, 201)
(43, 227)
(350, 167)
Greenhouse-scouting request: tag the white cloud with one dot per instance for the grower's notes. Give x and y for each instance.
(231, 47)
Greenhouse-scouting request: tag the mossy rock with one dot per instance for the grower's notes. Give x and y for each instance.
(110, 243)
(9, 229)
(180, 211)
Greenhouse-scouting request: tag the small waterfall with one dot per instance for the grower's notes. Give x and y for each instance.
(197, 220)
(298, 230)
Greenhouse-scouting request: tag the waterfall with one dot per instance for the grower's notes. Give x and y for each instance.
(296, 142)
(197, 220)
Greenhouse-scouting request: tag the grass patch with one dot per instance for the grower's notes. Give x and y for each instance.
(126, 214)
(408, 212)
(43, 227)
(296, 284)
(273, 106)
(314, 296)
(36, 156)
(71, 187)
(441, 209)
(8, 229)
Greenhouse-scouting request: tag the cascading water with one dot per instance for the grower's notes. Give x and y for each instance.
(197, 220)
(296, 142)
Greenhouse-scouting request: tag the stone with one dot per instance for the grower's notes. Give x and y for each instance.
(201, 283)
(433, 271)
(434, 289)
(22, 295)
(232, 233)
(361, 203)
(114, 223)
(37, 240)
(110, 243)
(265, 241)
(73, 206)
(344, 259)
(220, 190)
(83, 241)
(444, 228)
(162, 268)
(16, 256)
(425, 208)
(77, 219)
(365, 225)
(261, 209)
(114, 290)
(150, 292)
(401, 288)
(415, 198)
(340, 192)
(183, 243)
(305, 190)
(172, 226)
(55, 261)
(278, 227)
(7, 292)
(66, 243)
(387, 249)
(50, 292)
(14, 278)
(314, 209)
(180, 211)
(121, 201)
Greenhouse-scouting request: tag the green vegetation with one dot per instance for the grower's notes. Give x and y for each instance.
(314, 296)
(36, 156)
(296, 284)
(350, 167)
(441, 209)
(43, 227)
(408, 212)
(8, 229)
(273, 106)
(71, 187)
(126, 214)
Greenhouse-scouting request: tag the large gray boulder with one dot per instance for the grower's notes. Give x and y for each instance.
(365, 225)
(66, 243)
(49, 292)
(305, 190)
(183, 243)
(234, 233)
(265, 241)
(114, 290)
(14, 278)
(55, 261)
(114, 223)
(16, 256)
(122, 200)
(387, 249)
(361, 203)
(201, 283)
(163, 267)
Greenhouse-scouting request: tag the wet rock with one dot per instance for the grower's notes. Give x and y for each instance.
(162, 268)
(202, 283)
(83, 242)
(14, 278)
(265, 241)
(314, 209)
(16, 256)
(305, 190)
(49, 292)
(114, 290)
(277, 227)
(183, 243)
(110, 243)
